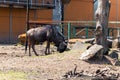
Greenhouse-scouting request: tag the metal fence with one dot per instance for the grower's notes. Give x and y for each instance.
(32, 3)
(80, 29)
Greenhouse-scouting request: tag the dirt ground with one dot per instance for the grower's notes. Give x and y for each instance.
(14, 61)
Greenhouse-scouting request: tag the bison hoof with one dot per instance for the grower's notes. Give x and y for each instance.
(47, 53)
(37, 55)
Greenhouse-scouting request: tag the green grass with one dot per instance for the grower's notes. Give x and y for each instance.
(12, 75)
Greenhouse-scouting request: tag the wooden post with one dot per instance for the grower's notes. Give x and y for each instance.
(27, 16)
(102, 15)
(27, 23)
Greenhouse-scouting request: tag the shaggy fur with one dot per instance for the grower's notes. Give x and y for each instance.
(45, 33)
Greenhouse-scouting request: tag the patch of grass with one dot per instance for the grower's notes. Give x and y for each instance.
(12, 75)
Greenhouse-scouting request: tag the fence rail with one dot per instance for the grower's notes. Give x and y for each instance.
(56, 22)
(83, 28)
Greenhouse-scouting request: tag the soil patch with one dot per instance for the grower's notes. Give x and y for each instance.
(47, 67)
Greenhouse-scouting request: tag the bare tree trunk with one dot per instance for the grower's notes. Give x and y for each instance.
(57, 11)
(101, 47)
(102, 15)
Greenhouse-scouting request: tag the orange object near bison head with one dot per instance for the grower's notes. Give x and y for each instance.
(22, 38)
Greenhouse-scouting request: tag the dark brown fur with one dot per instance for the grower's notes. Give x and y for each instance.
(46, 33)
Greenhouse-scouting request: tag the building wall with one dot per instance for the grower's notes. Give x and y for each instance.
(114, 12)
(115, 16)
(44, 14)
(12, 23)
(18, 22)
(78, 10)
(14, 20)
(4, 24)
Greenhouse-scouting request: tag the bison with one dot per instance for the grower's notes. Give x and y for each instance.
(45, 33)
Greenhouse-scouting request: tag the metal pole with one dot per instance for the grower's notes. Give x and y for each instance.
(109, 29)
(27, 16)
(54, 2)
(43, 2)
(31, 2)
(62, 14)
(86, 31)
(69, 30)
(117, 18)
(10, 32)
(74, 32)
(27, 23)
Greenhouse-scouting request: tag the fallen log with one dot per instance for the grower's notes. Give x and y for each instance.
(93, 50)
(116, 43)
(92, 41)
(111, 60)
(109, 43)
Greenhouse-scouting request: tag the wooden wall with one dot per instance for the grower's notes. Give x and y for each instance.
(115, 12)
(78, 10)
(12, 26)
(4, 24)
(44, 14)
(15, 25)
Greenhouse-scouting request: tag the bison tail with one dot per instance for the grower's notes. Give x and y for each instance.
(26, 44)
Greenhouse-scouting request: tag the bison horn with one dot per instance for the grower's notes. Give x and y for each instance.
(64, 43)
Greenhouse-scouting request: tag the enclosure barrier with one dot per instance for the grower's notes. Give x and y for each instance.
(71, 29)
(33, 4)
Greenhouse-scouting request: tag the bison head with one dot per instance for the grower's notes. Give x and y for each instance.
(62, 47)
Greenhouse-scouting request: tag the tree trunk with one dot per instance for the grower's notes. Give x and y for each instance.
(102, 15)
(57, 11)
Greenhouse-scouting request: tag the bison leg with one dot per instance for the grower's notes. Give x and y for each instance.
(48, 47)
(33, 47)
(47, 51)
(29, 47)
